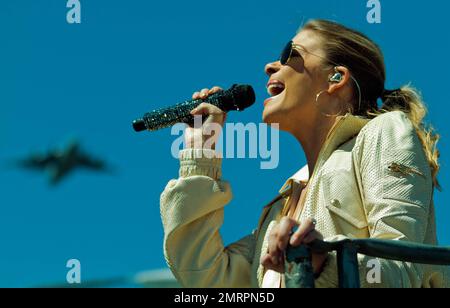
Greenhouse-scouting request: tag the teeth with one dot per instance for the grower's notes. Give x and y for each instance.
(273, 86)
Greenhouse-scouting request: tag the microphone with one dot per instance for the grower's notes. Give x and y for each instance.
(238, 97)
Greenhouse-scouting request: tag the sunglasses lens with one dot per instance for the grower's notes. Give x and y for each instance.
(286, 53)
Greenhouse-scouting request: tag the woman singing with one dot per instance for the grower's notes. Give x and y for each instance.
(370, 172)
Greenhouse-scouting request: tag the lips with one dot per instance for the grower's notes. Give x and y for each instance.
(275, 87)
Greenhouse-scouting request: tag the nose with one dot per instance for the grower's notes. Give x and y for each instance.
(272, 68)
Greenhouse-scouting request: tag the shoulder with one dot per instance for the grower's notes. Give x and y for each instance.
(394, 120)
(390, 130)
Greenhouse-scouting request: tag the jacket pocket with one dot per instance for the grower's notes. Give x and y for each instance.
(343, 201)
(358, 223)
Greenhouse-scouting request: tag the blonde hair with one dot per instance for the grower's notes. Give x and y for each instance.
(364, 58)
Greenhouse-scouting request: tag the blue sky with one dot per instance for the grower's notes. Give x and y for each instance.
(89, 81)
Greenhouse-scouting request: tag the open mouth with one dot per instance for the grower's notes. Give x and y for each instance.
(275, 87)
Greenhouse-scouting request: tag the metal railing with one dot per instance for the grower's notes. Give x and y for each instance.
(299, 270)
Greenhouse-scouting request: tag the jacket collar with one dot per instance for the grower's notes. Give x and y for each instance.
(345, 128)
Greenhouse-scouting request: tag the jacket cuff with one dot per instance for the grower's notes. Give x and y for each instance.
(203, 162)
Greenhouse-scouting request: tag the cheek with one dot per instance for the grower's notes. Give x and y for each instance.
(294, 102)
(298, 92)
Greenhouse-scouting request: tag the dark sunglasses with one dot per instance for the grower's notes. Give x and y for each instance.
(287, 52)
(291, 48)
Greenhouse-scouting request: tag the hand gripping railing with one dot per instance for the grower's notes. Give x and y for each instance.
(299, 271)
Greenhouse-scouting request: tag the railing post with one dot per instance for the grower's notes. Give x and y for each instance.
(299, 272)
(348, 267)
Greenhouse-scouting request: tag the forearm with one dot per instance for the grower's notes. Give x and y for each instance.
(192, 214)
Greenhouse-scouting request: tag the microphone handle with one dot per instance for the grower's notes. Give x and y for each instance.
(180, 113)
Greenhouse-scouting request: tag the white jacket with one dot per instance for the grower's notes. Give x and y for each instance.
(353, 192)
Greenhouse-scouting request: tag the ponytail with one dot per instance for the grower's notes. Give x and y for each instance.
(408, 100)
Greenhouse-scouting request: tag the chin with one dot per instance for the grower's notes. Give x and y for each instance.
(271, 118)
(274, 112)
(267, 116)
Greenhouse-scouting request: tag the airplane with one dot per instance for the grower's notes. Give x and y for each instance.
(61, 163)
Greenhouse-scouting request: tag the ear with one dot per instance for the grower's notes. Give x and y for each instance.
(338, 79)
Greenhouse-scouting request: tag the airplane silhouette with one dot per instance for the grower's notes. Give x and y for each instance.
(61, 163)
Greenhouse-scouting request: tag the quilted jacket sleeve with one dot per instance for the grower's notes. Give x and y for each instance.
(192, 214)
(397, 191)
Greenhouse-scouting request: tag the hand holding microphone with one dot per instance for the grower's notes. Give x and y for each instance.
(214, 115)
(238, 97)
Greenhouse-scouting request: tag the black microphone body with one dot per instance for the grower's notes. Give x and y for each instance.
(238, 97)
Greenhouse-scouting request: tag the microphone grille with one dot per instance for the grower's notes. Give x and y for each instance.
(244, 96)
